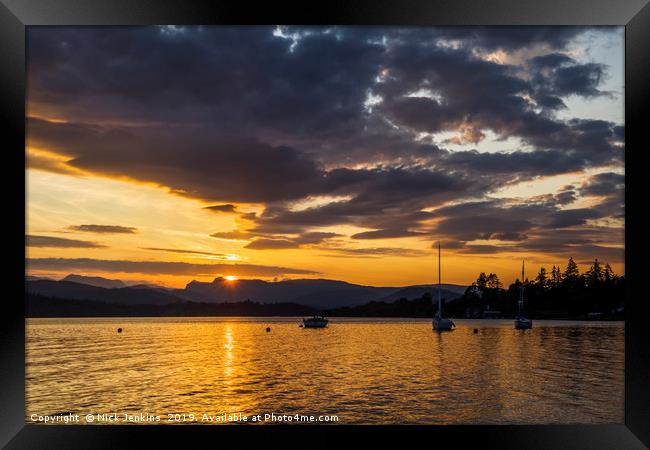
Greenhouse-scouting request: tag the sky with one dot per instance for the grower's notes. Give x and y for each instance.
(168, 154)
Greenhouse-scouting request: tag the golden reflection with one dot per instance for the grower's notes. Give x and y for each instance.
(228, 346)
(378, 371)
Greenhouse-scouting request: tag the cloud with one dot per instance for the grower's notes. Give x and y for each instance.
(232, 235)
(310, 238)
(604, 184)
(227, 208)
(212, 172)
(275, 244)
(50, 241)
(388, 199)
(534, 227)
(189, 252)
(104, 229)
(161, 267)
(385, 234)
(376, 252)
(275, 117)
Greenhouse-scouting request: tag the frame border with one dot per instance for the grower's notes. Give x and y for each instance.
(15, 15)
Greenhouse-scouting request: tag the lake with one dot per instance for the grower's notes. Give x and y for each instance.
(362, 371)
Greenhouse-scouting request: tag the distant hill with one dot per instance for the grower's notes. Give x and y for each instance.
(447, 291)
(315, 293)
(95, 281)
(33, 278)
(43, 306)
(79, 291)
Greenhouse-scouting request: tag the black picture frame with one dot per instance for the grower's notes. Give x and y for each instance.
(15, 15)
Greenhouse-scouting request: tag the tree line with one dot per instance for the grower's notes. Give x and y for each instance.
(598, 292)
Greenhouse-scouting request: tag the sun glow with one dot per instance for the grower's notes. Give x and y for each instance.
(231, 277)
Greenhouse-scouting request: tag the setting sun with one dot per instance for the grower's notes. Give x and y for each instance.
(231, 277)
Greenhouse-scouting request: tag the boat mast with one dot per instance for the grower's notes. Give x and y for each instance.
(521, 288)
(439, 298)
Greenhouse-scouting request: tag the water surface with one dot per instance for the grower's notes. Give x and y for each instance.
(370, 371)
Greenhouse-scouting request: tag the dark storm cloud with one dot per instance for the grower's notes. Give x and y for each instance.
(558, 75)
(504, 220)
(473, 94)
(104, 229)
(308, 96)
(218, 169)
(508, 38)
(50, 241)
(537, 226)
(389, 200)
(250, 114)
(223, 76)
(572, 217)
(515, 37)
(488, 223)
(610, 187)
(160, 267)
(604, 184)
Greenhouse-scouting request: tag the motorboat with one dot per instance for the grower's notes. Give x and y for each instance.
(315, 322)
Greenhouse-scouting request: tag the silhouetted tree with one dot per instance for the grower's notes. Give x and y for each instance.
(541, 280)
(595, 275)
(570, 294)
(492, 282)
(571, 273)
(481, 282)
(556, 277)
(608, 275)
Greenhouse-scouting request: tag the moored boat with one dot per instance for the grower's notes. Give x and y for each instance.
(521, 322)
(315, 322)
(441, 323)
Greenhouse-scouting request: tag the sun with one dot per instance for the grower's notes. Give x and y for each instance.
(231, 277)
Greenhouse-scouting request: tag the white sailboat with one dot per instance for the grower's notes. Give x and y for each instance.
(521, 322)
(440, 323)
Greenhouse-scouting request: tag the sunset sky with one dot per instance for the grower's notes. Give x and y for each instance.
(170, 154)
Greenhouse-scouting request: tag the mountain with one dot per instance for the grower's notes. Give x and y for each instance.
(95, 281)
(315, 293)
(78, 291)
(33, 278)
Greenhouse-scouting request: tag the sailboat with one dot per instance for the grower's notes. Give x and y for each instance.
(521, 322)
(440, 323)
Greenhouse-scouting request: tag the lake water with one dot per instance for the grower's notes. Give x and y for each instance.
(368, 371)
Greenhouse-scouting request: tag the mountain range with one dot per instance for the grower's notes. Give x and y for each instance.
(315, 293)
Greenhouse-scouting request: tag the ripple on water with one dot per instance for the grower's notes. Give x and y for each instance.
(366, 371)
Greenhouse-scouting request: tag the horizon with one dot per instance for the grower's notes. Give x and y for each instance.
(169, 154)
(233, 279)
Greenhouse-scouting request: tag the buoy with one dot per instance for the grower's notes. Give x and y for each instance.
(119, 330)
(475, 330)
(268, 329)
